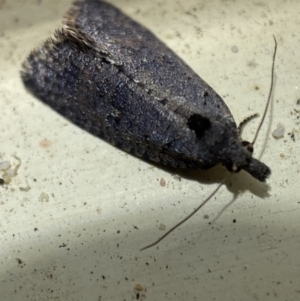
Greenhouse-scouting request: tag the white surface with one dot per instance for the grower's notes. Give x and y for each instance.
(83, 191)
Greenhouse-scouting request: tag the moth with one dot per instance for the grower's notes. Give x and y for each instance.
(112, 76)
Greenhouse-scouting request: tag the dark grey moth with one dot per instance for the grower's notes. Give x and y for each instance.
(114, 78)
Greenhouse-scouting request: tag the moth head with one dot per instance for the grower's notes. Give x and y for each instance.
(232, 166)
(222, 140)
(257, 169)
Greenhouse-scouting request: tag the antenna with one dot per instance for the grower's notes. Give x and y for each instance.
(270, 92)
(187, 217)
(225, 179)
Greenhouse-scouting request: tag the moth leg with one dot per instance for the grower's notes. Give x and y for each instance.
(244, 122)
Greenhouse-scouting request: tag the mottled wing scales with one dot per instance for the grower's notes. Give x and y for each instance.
(143, 58)
(114, 78)
(96, 96)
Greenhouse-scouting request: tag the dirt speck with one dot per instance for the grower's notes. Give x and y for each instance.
(44, 197)
(138, 287)
(162, 182)
(45, 143)
(278, 132)
(162, 227)
(234, 49)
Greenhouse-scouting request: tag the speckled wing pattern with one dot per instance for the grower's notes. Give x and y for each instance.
(114, 78)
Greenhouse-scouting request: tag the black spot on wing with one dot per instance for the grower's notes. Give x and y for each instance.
(199, 124)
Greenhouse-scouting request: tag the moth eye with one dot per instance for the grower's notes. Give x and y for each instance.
(199, 124)
(248, 146)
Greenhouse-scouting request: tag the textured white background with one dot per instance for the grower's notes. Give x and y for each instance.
(104, 205)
